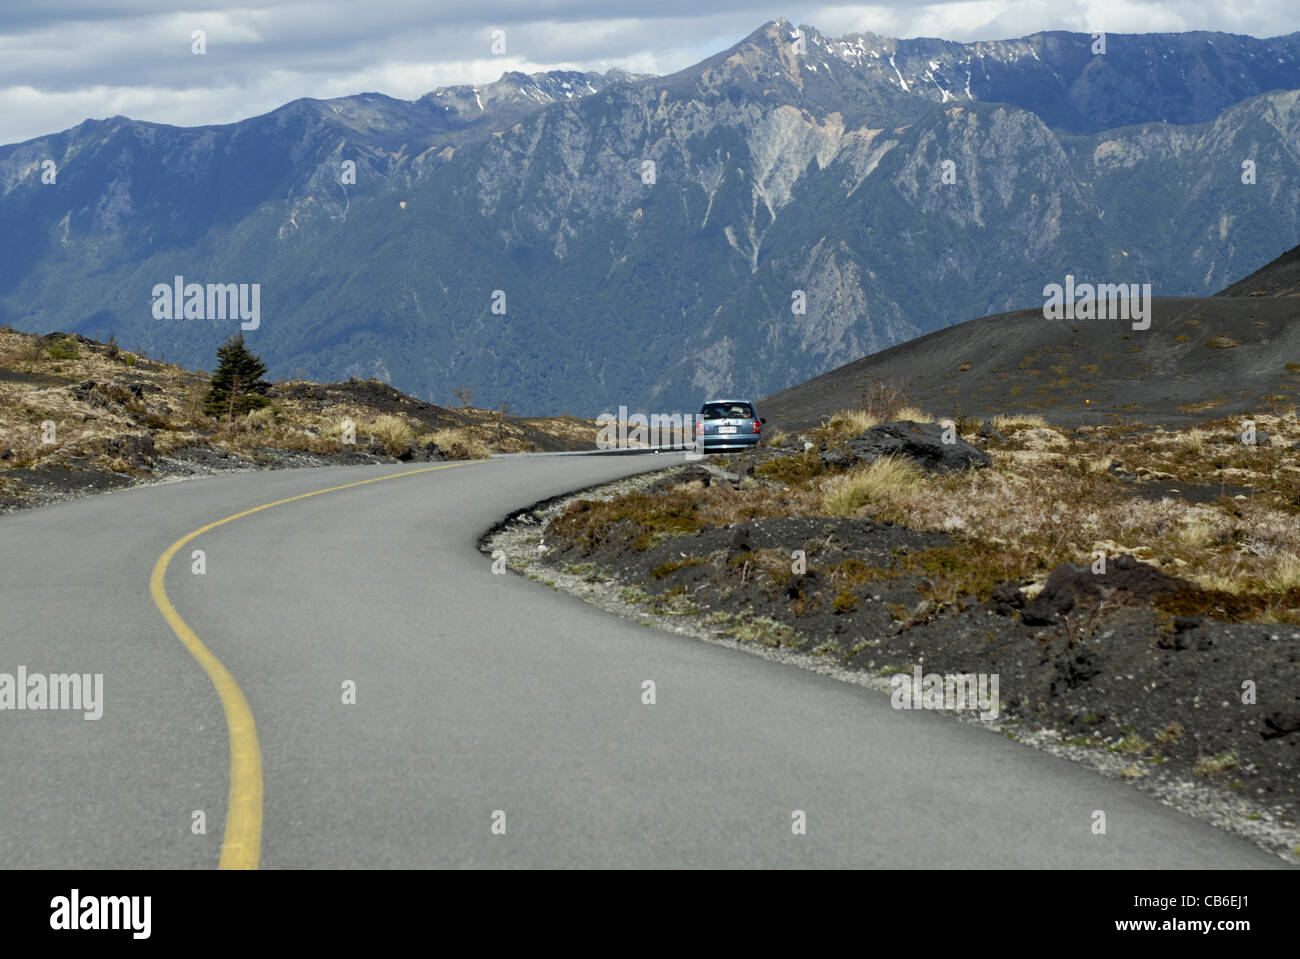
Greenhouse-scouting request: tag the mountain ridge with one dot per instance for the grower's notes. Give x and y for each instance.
(1225, 355)
(770, 178)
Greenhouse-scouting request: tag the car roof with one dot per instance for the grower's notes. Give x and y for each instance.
(750, 402)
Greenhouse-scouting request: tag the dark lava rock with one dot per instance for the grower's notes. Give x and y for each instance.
(989, 434)
(1007, 598)
(803, 584)
(428, 453)
(695, 473)
(1280, 724)
(920, 442)
(839, 456)
(1120, 473)
(1184, 627)
(109, 396)
(1070, 672)
(136, 448)
(740, 540)
(1126, 579)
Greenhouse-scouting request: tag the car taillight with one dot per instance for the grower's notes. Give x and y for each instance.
(699, 427)
(758, 426)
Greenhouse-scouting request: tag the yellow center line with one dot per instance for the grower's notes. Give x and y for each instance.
(241, 848)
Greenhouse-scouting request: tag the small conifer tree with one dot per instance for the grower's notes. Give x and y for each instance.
(237, 384)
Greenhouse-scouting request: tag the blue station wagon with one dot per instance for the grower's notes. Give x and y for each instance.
(729, 425)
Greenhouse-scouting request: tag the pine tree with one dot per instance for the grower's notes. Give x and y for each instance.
(237, 384)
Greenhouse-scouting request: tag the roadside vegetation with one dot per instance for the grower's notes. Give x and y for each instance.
(80, 416)
(1197, 503)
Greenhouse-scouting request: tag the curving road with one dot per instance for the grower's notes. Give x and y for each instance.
(474, 693)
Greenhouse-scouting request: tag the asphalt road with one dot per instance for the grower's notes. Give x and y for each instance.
(475, 693)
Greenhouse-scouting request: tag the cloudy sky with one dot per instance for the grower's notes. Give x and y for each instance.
(62, 61)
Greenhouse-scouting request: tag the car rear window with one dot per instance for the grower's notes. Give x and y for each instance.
(728, 411)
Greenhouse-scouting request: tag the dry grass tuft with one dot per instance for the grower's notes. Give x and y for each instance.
(848, 423)
(459, 444)
(913, 414)
(1285, 574)
(882, 482)
(1010, 422)
(392, 433)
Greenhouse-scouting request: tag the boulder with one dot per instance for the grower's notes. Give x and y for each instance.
(838, 456)
(1071, 671)
(695, 473)
(740, 541)
(1006, 599)
(1280, 724)
(1068, 586)
(922, 443)
(426, 453)
(136, 448)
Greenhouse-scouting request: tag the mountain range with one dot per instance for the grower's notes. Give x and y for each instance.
(514, 238)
